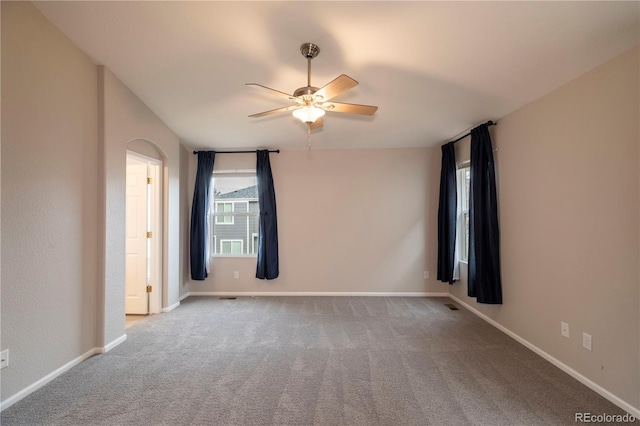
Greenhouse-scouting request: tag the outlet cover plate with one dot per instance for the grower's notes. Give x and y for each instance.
(564, 329)
(586, 341)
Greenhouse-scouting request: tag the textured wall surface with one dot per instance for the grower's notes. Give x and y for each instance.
(65, 130)
(185, 218)
(125, 118)
(568, 198)
(49, 203)
(348, 221)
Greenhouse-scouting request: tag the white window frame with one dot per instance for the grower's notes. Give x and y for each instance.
(218, 214)
(232, 241)
(461, 231)
(254, 243)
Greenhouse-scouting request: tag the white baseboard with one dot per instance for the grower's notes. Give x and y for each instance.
(49, 377)
(171, 308)
(46, 379)
(314, 293)
(634, 411)
(106, 348)
(184, 296)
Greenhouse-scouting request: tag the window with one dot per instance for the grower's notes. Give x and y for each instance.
(234, 213)
(224, 208)
(230, 246)
(463, 180)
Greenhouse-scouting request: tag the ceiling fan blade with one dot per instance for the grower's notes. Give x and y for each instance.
(317, 124)
(350, 108)
(273, 111)
(340, 84)
(273, 91)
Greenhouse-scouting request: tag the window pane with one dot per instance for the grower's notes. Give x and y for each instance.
(465, 248)
(236, 203)
(467, 181)
(463, 178)
(231, 246)
(224, 208)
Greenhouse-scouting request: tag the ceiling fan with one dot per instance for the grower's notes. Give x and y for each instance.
(311, 102)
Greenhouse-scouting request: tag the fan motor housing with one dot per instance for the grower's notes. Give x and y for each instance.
(309, 50)
(308, 90)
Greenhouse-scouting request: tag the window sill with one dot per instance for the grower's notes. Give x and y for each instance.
(464, 262)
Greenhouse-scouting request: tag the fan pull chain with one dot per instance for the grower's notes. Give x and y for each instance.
(309, 135)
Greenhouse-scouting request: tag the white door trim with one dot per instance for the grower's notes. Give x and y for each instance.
(154, 168)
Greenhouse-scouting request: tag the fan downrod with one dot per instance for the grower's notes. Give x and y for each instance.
(309, 50)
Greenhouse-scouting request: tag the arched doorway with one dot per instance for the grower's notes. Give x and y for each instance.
(143, 230)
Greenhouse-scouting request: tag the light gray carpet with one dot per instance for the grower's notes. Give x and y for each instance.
(311, 361)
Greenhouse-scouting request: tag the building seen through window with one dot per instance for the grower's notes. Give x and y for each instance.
(234, 214)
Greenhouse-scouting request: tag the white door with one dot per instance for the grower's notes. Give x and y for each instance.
(136, 301)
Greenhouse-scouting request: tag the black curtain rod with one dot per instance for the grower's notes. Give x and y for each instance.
(488, 123)
(277, 151)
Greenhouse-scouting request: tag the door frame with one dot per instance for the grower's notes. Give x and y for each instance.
(154, 209)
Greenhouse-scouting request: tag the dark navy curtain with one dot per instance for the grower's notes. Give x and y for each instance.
(198, 231)
(447, 213)
(484, 236)
(268, 265)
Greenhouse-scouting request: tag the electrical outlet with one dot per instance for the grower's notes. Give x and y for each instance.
(236, 274)
(564, 329)
(4, 358)
(586, 341)
(426, 275)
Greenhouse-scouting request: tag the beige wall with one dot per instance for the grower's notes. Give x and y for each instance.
(348, 221)
(49, 203)
(125, 118)
(185, 217)
(65, 130)
(568, 187)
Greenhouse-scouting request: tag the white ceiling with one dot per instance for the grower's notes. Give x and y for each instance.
(435, 69)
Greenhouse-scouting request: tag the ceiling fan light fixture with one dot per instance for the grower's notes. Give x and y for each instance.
(308, 114)
(311, 102)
